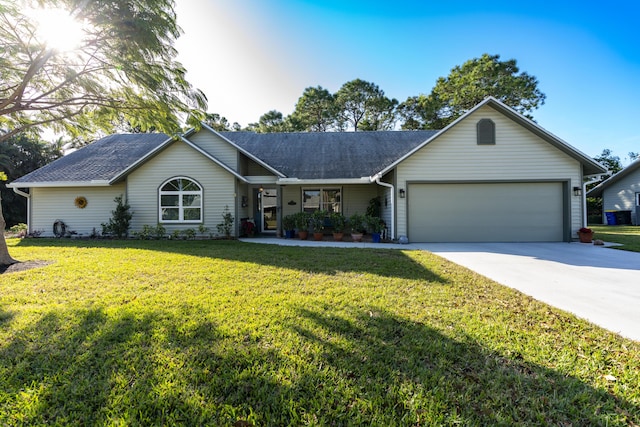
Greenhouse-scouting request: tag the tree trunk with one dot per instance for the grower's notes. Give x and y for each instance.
(5, 258)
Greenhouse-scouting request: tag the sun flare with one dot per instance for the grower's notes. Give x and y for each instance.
(58, 29)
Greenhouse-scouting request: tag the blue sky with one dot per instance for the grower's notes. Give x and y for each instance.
(252, 56)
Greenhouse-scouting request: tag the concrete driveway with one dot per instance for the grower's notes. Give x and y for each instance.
(599, 284)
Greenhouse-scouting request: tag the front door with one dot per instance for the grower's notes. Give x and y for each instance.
(269, 210)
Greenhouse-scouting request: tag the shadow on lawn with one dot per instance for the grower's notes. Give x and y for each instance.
(324, 260)
(358, 368)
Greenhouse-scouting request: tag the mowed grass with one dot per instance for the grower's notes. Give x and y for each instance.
(239, 334)
(627, 235)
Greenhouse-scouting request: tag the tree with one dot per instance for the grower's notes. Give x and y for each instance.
(315, 110)
(467, 86)
(613, 165)
(123, 65)
(363, 106)
(18, 156)
(611, 162)
(220, 123)
(271, 121)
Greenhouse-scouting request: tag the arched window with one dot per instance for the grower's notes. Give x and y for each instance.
(486, 132)
(180, 201)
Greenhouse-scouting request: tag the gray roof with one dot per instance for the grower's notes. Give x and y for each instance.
(329, 155)
(99, 161)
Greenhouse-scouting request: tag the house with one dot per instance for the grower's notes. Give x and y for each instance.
(492, 175)
(621, 193)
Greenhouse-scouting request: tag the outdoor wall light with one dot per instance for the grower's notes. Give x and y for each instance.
(577, 191)
(403, 193)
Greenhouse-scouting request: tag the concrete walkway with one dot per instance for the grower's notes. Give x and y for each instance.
(599, 284)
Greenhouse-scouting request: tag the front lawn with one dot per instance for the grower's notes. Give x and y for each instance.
(627, 235)
(230, 333)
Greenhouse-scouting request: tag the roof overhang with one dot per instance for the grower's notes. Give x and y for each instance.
(51, 184)
(164, 145)
(348, 181)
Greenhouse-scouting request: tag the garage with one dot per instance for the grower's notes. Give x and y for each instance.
(487, 212)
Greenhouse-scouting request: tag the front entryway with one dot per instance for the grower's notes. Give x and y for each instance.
(269, 210)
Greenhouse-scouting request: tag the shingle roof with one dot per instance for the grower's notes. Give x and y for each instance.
(99, 161)
(329, 155)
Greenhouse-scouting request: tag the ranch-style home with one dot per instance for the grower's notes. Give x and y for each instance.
(491, 176)
(621, 193)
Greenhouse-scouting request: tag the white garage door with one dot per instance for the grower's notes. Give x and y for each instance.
(486, 212)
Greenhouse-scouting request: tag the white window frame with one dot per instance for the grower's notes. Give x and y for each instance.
(323, 203)
(180, 193)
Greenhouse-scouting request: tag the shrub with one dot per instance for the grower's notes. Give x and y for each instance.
(338, 221)
(356, 223)
(120, 220)
(226, 226)
(189, 233)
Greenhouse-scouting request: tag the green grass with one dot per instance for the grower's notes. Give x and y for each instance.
(230, 333)
(627, 235)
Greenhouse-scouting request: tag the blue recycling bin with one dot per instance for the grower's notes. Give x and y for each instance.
(611, 218)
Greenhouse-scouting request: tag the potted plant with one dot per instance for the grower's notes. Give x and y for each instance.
(585, 235)
(302, 224)
(338, 222)
(317, 223)
(247, 227)
(289, 225)
(356, 223)
(375, 226)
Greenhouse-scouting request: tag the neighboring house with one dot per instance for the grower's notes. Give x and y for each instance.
(621, 192)
(492, 175)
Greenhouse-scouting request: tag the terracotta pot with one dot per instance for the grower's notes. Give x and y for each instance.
(338, 236)
(585, 237)
(318, 236)
(303, 235)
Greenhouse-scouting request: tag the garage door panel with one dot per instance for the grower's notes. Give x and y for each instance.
(486, 212)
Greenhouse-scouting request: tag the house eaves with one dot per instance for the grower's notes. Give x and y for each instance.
(48, 184)
(598, 189)
(337, 181)
(164, 145)
(590, 166)
(240, 149)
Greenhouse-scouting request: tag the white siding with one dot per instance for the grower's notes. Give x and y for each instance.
(51, 204)
(621, 195)
(517, 155)
(289, 193)
(356, 198)
(217, 147)
(180, 160)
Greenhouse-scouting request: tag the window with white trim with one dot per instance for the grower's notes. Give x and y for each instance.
(180, 201)
(326, 199)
